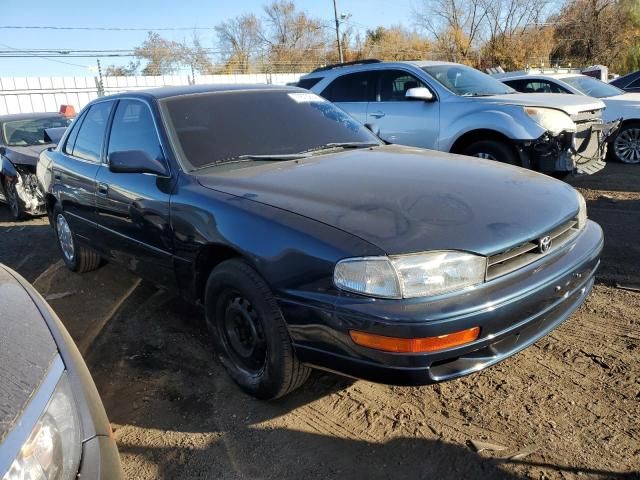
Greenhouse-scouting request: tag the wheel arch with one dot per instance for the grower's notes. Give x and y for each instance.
(209, 257)
(468, 138)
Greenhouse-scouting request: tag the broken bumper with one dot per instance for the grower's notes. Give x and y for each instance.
(581, 152)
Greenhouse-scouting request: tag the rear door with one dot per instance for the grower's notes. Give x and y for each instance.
(400, 120)
(352, 92)
(75, 169)
(133, 208)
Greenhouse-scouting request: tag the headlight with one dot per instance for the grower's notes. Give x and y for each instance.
(410, 276)
(552, 120)
(582, 213)
(52, 451)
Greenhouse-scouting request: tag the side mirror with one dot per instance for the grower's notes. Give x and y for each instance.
(419, 93)
(136, 161)
(54, 135)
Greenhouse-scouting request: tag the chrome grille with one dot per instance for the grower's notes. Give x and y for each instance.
(589, 116)
(529, 252)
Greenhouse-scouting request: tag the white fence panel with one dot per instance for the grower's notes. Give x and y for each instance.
(46, 94)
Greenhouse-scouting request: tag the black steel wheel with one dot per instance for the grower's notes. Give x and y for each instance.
(250, 333)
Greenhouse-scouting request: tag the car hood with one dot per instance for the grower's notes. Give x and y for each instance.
(25, 155)
(406, 200)
(26, 352)
(571, 104)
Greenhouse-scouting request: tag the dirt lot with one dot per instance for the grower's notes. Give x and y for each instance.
(567, 407)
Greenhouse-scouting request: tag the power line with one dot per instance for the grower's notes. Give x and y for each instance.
(102, 29)
(46, 58)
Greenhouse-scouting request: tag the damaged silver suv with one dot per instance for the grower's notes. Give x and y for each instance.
(454, 108)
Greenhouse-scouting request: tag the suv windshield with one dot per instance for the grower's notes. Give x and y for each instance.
(221, 127)
(592, 86)
(23, 133)
(467, 81)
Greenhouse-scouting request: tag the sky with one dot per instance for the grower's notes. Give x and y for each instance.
(148, 15)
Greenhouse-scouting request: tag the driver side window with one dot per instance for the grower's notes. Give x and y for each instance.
(394, 85)
(133, 129)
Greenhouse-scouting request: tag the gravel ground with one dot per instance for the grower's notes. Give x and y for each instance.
(567, 407)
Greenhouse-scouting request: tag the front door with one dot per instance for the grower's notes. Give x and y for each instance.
(133, 208)
(398, 119)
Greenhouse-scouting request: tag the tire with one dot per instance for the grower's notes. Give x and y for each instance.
(16, 205)
(493, 150)
(249, 332)
(625, 148)
(77, 257)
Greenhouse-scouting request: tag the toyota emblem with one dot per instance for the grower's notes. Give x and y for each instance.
(544, 244)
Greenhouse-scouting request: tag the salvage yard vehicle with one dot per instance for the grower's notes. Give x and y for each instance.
(310, 243)
(621, 106)
(629, 82)
(22, 137)
(454, 108)
(52, 422)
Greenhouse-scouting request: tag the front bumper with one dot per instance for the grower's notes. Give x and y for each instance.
(582, 152)
(512, 311)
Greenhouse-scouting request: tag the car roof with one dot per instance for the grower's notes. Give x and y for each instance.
(176, 91)
(519, 75)
(377, 65)
(28, 116)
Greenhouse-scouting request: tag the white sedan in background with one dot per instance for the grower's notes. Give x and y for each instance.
(625, 146)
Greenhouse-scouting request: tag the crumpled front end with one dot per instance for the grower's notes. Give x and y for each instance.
(582, 151)
(25, 183)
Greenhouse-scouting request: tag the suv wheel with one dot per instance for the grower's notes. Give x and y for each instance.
(626, 146)
(250, 333)
(77, 258)
(492, 150)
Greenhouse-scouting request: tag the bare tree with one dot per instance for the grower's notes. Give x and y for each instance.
(292, 38)
(163, 57)
(456, 25)
(239, 39)
(122, 70)
(396, 43)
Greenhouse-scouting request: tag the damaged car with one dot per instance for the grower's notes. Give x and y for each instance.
(454, 108)
(22, 138)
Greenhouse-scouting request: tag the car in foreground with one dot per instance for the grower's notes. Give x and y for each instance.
(22, 138)
(629, 83)
(310, 243)
(625, 143)
(454, 108)
(52, 422)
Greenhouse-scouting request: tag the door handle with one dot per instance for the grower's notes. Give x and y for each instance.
(377, 114)
(103, 189)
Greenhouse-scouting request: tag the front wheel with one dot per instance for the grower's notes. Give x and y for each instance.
(626, 145)
(493, 150)
(250, 333)
(77, 258)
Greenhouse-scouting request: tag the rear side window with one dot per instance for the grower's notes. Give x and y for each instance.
(308, 83)
(354, 87)
(394, 85)
(71, 139)
(88, 145)
(133, 129)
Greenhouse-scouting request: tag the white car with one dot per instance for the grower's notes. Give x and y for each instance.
(625, 146)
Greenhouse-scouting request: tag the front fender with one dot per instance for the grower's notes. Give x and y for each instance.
(7, 169)
(512, 123)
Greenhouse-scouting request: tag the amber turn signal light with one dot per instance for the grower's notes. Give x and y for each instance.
(415, 345)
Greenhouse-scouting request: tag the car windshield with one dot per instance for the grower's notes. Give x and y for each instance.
(592, 86)
(23, 133)
(223, 127)
(467, 81)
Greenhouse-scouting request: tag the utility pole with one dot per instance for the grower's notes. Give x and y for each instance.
(335, 13)
(100, 82)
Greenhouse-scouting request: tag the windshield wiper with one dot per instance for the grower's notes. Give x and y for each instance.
(275, 156)
(335, 145)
